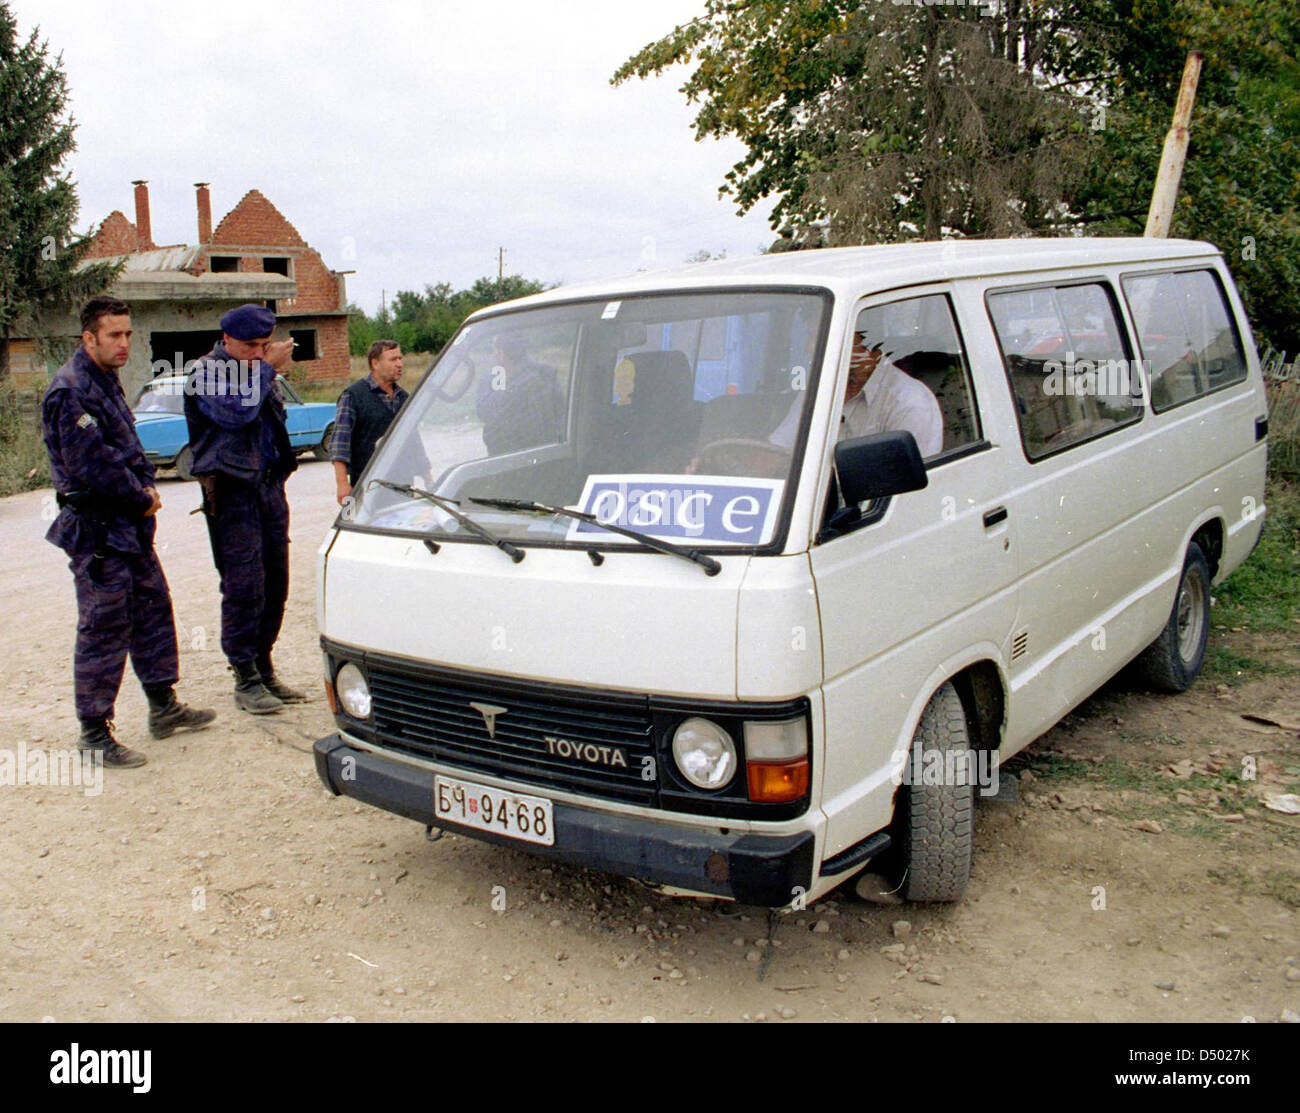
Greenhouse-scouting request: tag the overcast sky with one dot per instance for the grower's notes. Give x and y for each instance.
(405, 140)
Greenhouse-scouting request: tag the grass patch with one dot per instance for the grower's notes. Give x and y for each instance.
(1158, 789)
(1227, 666)
(1284, 428)
(24, 463)
(1278, 884)
(1264, 593)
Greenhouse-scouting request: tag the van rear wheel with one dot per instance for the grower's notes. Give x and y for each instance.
(1171, 662)
(935, 817)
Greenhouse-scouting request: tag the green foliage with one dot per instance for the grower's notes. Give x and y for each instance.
(425, 322)
(39, 256)
(24, 463)
(880, 122)
(361, 331)
(1284, 428)
(1264, 593)
(872, 121)
(1240, 188)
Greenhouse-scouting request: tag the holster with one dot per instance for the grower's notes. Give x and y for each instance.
(94, 510)
(208, 483)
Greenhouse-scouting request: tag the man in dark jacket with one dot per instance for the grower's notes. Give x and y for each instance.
(519, 400)
(106, 524)
(365, 411)
(242, 457)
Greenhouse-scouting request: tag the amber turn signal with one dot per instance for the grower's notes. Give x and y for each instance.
(330, 697)
(777, 782)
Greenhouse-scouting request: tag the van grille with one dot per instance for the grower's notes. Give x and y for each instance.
(429, 714)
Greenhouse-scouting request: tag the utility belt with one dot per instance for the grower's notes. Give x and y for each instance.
(99, 512)
(90, 505)
(213, 484)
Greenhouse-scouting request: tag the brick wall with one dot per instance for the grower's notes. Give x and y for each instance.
(334, 364)
(116, 236)
(255, 221)
(255, 228)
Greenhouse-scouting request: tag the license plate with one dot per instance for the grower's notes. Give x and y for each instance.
(527, 818)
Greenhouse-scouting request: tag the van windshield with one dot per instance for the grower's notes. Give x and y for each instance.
(673, 415)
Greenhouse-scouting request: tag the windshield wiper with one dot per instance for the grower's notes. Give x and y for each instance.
(451, 507)
(710, 566)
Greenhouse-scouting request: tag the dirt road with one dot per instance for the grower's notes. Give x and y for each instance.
(222, 882)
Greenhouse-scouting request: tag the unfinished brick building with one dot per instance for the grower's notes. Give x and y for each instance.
(178, 292)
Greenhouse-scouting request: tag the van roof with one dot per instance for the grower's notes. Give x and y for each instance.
(849, 270)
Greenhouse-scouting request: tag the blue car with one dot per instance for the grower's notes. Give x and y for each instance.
(160, 422)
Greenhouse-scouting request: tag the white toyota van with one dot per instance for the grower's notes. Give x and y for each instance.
(735, 578)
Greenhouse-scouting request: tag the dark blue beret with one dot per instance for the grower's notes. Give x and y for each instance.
(248, 322)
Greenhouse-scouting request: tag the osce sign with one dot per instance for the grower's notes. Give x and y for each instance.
(708, 509)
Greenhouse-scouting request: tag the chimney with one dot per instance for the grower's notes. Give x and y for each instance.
(143, 227)
(205, 212)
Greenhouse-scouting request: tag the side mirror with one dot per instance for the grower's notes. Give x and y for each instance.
(878, 466)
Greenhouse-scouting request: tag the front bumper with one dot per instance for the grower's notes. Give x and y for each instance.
(764, 870)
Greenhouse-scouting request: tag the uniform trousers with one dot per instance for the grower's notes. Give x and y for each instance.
(123, 607)
(249, 530)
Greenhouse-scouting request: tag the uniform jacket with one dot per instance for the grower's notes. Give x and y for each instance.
(96, 460)
(236, 419)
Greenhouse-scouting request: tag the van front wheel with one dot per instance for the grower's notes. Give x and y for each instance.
(935, 816)
(1171, 662)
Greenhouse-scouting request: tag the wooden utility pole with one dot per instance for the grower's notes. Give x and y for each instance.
(1161, 214)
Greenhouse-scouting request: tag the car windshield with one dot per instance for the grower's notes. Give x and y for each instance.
(162, 398)
(676, 415)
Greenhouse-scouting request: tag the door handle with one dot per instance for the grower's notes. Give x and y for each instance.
(994, 516)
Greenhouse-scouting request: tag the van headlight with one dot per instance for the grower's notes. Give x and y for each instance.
(704, 753)
(354, 692)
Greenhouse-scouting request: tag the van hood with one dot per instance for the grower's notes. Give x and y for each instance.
(640, 621)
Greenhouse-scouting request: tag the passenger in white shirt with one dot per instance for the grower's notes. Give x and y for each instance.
(879, 398)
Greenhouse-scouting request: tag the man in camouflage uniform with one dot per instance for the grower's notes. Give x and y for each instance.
(242, 457)
(106, 524)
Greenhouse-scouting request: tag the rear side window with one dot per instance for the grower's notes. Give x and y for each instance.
(1186, 333)
(1068, 363)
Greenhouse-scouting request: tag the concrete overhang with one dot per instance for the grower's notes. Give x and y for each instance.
(178, 286)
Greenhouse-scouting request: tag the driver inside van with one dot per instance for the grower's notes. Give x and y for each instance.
(880, 397)
(519, 400)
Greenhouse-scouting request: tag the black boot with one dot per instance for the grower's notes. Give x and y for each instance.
(167, 714)
(275, 686)
(97, 738)
(250, 693)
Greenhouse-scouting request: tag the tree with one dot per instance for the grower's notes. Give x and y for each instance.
(425, 322)
(875, 121)
(39, 254)
(1240, 188)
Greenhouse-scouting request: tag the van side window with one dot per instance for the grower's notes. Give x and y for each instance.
(1068, 364)
(1186, 335)
(920, 382)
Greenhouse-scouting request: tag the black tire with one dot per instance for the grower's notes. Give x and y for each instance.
(184, 462)
(934, 824)
(1171, 662)
(322, 450)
